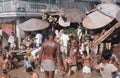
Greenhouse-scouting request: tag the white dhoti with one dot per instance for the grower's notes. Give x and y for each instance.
(86, 69)
(48, 65)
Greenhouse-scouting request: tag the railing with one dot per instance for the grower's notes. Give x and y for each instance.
(26, 6)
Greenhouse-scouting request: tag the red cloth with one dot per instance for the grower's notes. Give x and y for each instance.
(48, 57)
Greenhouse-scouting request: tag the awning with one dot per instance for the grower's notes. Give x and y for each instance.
(6, 20)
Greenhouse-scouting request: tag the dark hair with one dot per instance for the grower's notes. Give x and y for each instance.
(4, 71)
(52, 34)
(106, 54)
(7, 47)
(85, 53)
(29, 69)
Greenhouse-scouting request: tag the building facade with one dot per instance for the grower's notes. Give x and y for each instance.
(14, 12)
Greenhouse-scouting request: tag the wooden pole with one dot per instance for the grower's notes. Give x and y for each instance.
(106, 34)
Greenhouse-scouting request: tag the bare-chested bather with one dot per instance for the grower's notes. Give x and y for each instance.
(50, 51)
(5, 74)
(5, 63)
(87, 61)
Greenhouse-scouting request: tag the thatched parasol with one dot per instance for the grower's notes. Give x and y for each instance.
(33, 25)
(110, 9)
(73, 15)
(96, 20)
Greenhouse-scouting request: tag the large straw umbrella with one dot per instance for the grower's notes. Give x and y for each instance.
(96, 20)
(73, 15)
(110, 9)
(33, 24)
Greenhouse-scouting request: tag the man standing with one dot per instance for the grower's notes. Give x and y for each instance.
(11, 40)
(64, 43)
(38, 39)
(49, 50)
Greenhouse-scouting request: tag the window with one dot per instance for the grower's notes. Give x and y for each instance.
(36, 6)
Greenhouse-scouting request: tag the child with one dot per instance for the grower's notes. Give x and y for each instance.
(27, 63)
(5, 74)
(32, 73)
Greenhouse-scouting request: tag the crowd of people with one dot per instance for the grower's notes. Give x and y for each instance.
(62, 53)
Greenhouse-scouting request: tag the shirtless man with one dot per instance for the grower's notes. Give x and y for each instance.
(49, 50)
(87, 61)
(13, 60)
(32, 73)
(5, 74)
(5, 63)
(73, 58)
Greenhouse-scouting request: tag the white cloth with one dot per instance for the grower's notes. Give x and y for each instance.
(11, 39)
(34, 52)
(48, 65)
(63, 49)
(39, 38)
(86, 69)
(107, 70)
(79, 33)
(27, 63)
(64, 38)
(82, 48)
(57, 33)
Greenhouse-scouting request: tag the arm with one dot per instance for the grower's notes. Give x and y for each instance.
(35, 75)
(59, 55)
(8, 62)
(91, 60)
(40, 54)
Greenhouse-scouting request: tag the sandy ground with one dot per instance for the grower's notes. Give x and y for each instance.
(20, 72)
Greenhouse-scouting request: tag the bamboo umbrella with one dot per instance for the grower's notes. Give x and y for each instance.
(96, 20)
(33, 25)
(110, 9)
(73, 15)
